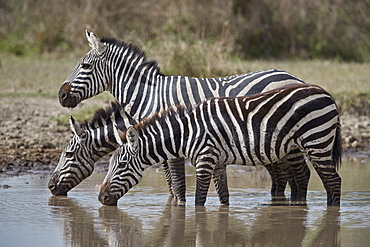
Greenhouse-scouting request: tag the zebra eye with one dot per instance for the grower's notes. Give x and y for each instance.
(69, 155)
(122, 164)
(86, 66)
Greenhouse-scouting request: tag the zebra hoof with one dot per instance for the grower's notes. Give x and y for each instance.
(181, 203)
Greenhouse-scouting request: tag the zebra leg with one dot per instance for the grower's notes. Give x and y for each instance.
(177, 170)
(220, 181)
(280, 182)
(301, 172)
(331, 180)
(284, 174)
(167, 174)
(273, 180)
(204, 171)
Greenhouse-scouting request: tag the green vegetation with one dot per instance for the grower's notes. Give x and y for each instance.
(316, 29)
(85, 113)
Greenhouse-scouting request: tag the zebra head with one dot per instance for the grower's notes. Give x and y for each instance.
(124, 172)
(88, 78)
(76, 162)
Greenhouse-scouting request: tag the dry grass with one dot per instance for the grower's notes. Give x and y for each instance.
(46, 74)
(34, 74)
(42, 76)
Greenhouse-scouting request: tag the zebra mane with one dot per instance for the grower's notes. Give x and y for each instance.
(173, 112)
(135, 50)
(101, 114)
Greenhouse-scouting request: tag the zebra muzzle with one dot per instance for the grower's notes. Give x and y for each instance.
(105, 197)
(57, 190)
(66, 97)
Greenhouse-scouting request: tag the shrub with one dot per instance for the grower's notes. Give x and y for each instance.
(249, 29)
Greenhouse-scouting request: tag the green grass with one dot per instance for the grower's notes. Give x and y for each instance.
(85, 113)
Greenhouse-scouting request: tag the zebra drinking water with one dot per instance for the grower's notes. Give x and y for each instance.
(255, 130)
(140, 86)
(91, 141)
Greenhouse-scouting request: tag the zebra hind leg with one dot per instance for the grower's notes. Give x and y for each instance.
(278, 183)
(301, 174)
(220, 181)
(331, 180)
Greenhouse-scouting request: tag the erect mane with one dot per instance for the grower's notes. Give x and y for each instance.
(177, 111)
(103, 114)
(132, 49)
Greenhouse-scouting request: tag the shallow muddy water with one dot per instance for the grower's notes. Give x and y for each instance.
(30, 216)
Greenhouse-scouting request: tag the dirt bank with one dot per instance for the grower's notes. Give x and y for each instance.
(31, 141)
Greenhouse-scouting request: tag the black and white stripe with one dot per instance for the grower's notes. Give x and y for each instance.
(139, 85)
(256, 130)
(90, 142)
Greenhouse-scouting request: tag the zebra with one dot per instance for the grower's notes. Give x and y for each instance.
(138, 84)
(253, 130)
(91, 141)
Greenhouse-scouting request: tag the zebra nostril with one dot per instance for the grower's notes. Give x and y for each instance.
(64, 95)
(51, 186)
(106, 198)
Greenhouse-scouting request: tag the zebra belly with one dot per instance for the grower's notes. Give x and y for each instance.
(237, 156)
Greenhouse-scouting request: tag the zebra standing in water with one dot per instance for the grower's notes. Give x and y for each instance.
(138, 84)
(90, 142)
(255, 130)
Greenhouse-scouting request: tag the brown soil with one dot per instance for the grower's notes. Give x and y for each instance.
(31, 141)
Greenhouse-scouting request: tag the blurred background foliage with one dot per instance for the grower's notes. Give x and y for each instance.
(321, 41)
(188, 35)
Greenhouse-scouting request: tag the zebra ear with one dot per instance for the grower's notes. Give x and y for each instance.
(117, 134)
(132, 137)
(75, 127)
(94, 42)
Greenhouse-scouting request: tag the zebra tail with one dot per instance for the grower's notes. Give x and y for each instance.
(337, 148)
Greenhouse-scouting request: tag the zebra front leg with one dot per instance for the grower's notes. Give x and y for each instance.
(168, 177)
(177, 170)
(204, 171)
(220, 181)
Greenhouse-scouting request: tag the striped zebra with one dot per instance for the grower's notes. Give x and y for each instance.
(139, 85)
(255, 130)
(90, 142)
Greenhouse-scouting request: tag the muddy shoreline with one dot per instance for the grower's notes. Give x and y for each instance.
(31, 141)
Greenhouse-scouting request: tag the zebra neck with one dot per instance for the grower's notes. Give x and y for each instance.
(153, 92)
(101, 130)
(101, 146)
(161, 140)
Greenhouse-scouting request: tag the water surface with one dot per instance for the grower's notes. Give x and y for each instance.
(30, 216)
